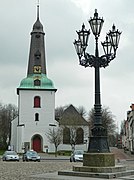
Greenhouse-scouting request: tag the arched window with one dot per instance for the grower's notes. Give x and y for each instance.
(37, 102)
(66, 135)
(37, 82)
(79, 136)
(36, 117)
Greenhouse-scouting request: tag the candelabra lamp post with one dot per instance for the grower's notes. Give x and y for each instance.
(98, 149)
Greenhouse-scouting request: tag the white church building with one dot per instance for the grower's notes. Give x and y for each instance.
(36, 99)
(36, 105)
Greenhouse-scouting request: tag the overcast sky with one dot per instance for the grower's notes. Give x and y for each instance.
(61, 19)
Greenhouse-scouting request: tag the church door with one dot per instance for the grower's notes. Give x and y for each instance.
(37, 143)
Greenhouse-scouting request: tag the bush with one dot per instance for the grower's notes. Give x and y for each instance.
(64, 153)
(2, 152)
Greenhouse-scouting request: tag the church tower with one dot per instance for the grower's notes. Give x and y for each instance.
(36, 99)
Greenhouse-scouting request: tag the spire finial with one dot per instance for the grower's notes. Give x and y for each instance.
(38, 3)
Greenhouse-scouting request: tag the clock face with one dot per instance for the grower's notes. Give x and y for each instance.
(37, 69)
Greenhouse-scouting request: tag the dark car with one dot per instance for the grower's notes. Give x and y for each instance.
(31, 156)
(77, 155)
(10, 156)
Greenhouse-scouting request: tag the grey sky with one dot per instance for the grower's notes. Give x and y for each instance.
(61, 19)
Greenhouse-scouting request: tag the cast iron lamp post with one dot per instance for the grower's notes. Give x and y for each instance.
(98, 141)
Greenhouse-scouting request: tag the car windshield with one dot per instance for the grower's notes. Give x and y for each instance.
(79, 152)
(32, 153)
(10, 153)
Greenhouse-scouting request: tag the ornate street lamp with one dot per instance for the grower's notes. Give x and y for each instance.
(98, 141)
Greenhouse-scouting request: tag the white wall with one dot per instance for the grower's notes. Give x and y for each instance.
(14, 124)
(27, 115)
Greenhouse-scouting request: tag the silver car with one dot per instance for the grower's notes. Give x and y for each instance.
(10, 156)
(77, 155)
(31, 156)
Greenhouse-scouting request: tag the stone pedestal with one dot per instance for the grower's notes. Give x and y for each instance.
(99, 159)
(98, 165)
(88, 169)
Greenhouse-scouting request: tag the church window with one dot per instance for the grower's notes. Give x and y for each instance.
(36, 117)
(66, 136)
(37, 102)
(37, 55)
(37, 82)
(79, 136)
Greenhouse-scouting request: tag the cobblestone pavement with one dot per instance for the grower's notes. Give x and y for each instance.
(23, 170)
(28, 170)
(119, 154)
(33, 170)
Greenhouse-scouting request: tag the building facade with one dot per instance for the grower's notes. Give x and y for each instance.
(75, 130)
(128, 131)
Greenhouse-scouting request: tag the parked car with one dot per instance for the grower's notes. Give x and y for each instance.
(31, 156)
(77, 155)
(10, 156)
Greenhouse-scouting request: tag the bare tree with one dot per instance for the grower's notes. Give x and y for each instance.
(82, 111)
(7, 114)
(12, 113)
(108, 121)
(54, 136)
(74, 139)
(59, 112)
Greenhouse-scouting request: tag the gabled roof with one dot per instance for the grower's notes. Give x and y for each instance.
(72, 117)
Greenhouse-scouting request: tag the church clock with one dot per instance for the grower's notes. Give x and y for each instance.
(37, 69)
